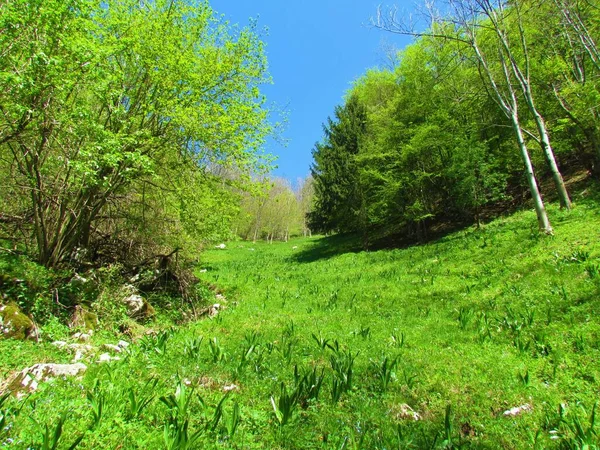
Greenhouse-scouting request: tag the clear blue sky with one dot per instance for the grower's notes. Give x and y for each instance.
(315, 49)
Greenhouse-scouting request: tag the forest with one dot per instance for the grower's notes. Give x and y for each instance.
(433, 283)
(493, 104)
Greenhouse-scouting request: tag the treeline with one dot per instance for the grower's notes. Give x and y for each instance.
(275, 210)
(488, 94)
(121, 126)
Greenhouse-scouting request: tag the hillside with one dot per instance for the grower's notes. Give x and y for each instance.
(486, 338)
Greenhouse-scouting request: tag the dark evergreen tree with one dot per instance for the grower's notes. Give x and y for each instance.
(339, 198)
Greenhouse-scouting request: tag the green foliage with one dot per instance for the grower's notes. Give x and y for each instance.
(127, 116)
(339, 201)
(50, 437)
(425, 144)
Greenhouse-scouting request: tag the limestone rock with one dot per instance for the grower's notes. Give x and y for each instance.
(28, 379)
(80, 350)
(517, 410)
(137, 306)
(105, 357)
(211, 311)
(14, 324)
(82, 337)
(214, 310)
(405, 412)
(112, 348)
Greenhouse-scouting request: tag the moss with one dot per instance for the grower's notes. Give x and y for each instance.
(82, 318)
(14, 324)
(147, 311)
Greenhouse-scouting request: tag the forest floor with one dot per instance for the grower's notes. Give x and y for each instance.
(485, 338)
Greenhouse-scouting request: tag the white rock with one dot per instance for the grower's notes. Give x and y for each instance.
(295, 247)
(405, 412)
(111, 347)
(82, 337)
(214, 310)
(78, 279)
(59, 344)
(123, 344)
(134, 303)
(134, 278)
(230, 387)
(220, 297)
(203, 271)
(221, 246)
(28, 379)
(83, 348)
(517, 410)
(105, 357)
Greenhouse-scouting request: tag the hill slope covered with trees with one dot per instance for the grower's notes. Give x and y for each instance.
(484, 106)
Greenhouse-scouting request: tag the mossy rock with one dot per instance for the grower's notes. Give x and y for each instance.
(137, 306)
(84, 319)
(14, 324)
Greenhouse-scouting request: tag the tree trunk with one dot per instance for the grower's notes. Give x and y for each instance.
(563, 195)
(538, 203)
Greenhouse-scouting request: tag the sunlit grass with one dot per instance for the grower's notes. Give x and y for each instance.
(322, 348)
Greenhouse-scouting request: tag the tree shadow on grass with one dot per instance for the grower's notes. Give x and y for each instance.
(583, 189)
(328, 247)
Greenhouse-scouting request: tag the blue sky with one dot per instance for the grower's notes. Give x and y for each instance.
(315, 49)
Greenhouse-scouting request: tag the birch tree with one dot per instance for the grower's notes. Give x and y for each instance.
(499, 69)
(575, 67)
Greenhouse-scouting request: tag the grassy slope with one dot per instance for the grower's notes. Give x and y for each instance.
(444, 298)
(482, 320)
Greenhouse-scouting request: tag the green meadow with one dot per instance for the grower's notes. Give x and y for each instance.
(322, 345)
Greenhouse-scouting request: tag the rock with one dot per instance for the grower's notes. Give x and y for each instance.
(84, 319)
(16, 325)
(59, 344)
(230, 387)
(82, 337)
(111, 347)
(134, 303)
(105, 357)
(405, 412)
(221, 246)
(28, 379)
(220, 297)
(80, 350)
(135, 278)
(211, 311)
(123, 344)
(84, 348)
(203, 271)
(214, 310)
(517, 410)
(137, 306)
(295, 247)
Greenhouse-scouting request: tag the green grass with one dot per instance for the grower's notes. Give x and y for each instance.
(325, 346)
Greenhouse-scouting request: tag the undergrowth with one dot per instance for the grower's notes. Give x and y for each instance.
(425, 347)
